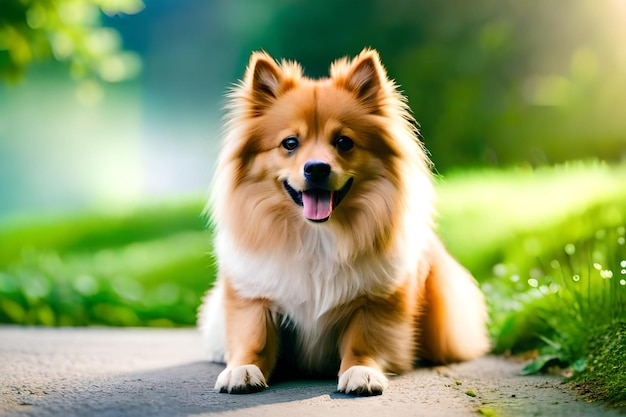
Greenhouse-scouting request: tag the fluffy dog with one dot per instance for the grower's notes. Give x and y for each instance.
(322, 206)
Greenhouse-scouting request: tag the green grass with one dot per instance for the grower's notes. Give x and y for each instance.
(483, 212)
(604, 377)
(147, 267)
(547, 245)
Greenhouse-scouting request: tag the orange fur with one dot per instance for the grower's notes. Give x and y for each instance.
(367, 289)
(252, 336)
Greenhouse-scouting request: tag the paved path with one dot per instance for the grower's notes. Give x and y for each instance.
(149, 372)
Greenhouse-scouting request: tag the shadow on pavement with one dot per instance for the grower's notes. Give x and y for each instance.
(177, 391)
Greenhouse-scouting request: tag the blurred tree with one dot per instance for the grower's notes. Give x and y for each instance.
(69, 31)
(490, 81)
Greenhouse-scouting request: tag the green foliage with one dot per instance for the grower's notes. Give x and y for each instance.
(559, 284)
(573, 279)
(604, 377)
(489, 217)
(69, 31)
(549, 247)
(143, 268)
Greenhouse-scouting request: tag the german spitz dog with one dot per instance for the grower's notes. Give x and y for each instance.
(328, 263)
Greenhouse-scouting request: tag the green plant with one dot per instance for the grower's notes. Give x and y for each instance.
(566, 291)
(604, 377)
(568, 299)
(69, 31)
(147, 267)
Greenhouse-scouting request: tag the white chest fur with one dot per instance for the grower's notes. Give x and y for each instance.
(305, 284)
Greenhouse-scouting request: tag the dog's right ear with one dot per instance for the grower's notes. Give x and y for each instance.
(263, 79)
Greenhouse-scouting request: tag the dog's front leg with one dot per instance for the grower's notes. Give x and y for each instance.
(251, 344)
(378, 339)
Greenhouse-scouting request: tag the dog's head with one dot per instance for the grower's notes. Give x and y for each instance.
(301, 151)
(319, 139)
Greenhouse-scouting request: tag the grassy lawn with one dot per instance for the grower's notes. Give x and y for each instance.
(547, 245)
(147, 267)
(549, 248)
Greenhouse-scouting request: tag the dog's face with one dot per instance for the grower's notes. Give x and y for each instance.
(329, 163)
(319, 142)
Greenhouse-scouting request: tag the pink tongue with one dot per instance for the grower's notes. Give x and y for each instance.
(317, 204)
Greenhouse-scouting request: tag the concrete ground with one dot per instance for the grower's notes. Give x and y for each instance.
(155, 372)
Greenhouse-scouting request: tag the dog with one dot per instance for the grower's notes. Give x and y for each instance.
(328, 263)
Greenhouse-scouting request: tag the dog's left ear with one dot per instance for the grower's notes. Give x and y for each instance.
(263, 78)
(366, 77)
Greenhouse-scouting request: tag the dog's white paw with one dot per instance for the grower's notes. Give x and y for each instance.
(244, 379)
(362, 381)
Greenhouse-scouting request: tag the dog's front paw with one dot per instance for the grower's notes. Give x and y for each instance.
(244, 379)
(362, 381)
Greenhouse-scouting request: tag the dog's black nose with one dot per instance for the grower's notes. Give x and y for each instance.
(316, 171)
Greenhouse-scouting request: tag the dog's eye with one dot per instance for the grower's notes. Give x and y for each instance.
(290, 143)
(344, 143)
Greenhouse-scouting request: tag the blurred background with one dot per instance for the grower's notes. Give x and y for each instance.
(124, 106)
(110, 119)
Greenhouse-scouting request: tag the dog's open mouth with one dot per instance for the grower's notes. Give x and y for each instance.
(318, 203)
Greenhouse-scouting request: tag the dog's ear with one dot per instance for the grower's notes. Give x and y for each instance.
(366, 77)
(263, 78)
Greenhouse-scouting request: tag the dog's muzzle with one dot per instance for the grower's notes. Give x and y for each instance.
(318, 202)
